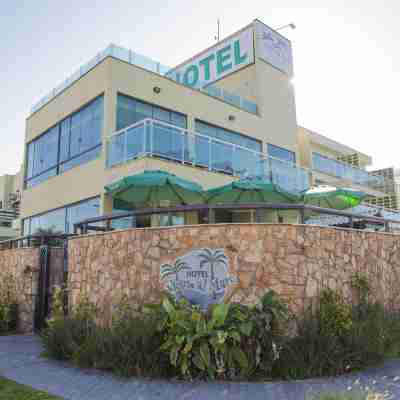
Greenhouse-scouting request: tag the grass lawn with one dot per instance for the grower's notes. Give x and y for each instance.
(13, 391)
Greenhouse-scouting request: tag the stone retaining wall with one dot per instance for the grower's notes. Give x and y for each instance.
(20, 267)
(294, 260)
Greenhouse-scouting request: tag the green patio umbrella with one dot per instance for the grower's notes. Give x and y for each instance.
(152, 187)
(333, 197)
(250, 191)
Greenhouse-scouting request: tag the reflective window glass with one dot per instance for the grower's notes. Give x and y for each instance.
(228, 136)
(63, 219)
(281, 153)
(81, 211)
(130, 111)
(71, 138)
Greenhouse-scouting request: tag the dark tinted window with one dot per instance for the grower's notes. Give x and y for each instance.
(74, 141)
(226, 135)
(130, 111)
(281, 153)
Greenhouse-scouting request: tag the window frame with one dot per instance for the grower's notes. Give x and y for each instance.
(65, 208)
(152, 106)
(58, 126)
(231, 131)
(284, 149)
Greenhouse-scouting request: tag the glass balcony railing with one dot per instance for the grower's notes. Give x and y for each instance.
(345, 171)
(158, 139)
(136, 59)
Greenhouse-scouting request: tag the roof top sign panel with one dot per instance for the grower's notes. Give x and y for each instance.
(226, 57)
(273, 48)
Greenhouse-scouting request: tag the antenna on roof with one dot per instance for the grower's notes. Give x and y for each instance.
(218, 29)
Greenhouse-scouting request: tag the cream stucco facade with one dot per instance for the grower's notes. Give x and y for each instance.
(275, 123)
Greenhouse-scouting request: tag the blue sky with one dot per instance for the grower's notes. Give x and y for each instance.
(346, 57)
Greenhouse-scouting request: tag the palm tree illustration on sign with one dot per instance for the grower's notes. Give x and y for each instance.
(167, 270)
(213, 258)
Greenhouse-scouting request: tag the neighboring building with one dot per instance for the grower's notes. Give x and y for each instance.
(10, 195)
(390, 186)
(333, 163)
(226, 113)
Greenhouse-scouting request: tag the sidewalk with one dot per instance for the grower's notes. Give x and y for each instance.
(20, 361)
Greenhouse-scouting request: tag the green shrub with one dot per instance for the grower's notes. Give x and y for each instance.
(8, 305)
(204, 344)
(65, 335)
(334, 315)
(129, 348)
(337, 339)
(8, 318)
(311, 352)
(228, 341)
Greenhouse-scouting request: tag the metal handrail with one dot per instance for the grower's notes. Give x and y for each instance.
(87, 225)
(34, 240)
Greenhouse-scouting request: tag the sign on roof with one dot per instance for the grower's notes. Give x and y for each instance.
(229, 55)
(273, 48)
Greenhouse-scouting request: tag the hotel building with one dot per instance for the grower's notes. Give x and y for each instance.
(226, 113)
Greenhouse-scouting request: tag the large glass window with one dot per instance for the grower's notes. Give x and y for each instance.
(130, 111)
(228, 136)
(82, 211)
(74, 141)
(63, 219)
(281, 153)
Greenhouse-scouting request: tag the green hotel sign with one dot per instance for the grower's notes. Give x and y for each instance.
(226, 57)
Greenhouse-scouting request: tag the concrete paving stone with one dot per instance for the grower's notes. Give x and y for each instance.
(21, 361)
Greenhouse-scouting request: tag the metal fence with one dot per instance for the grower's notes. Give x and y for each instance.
(133, 58)
(34, 241)
(158, 139)
(304, 212)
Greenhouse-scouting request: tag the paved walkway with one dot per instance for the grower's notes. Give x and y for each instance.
(20, 361)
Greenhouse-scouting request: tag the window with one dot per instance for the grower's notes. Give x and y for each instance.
(228, 136)
(130, 111)
(281, 153)
(63, 219)
(82, 211)
(75, 140)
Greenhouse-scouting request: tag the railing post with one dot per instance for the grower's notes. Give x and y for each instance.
(211, 215)
(209, 154)
(183, 146)
(108, 225)
(302, 219)
(233, 160)
(151, 137)
(145, 133)
(351, 222)
(169, 219)
(387, 226)
(271, 176)
(125, 146)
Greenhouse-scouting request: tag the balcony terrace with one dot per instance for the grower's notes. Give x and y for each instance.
(347, 175)
(133, 58)
(158, 139)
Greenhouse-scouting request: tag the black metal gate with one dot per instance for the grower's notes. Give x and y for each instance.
(53, 271)
(42, 298)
